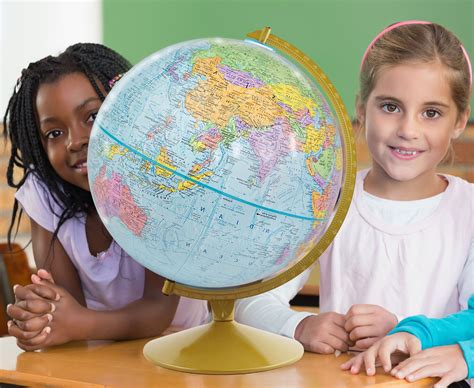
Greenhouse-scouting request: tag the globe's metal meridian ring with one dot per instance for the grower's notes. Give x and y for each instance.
(349, 170)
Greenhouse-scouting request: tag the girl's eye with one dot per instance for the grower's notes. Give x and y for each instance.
(92, 118)
(431, 114)
(390, 108)
(53, 134)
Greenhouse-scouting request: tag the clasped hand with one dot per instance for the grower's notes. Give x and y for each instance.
(43, 313)
(363, 325)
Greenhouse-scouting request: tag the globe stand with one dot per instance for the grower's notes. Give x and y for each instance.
(223, 347)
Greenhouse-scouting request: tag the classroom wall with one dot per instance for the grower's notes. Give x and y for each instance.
(31, 30)
(334, 33)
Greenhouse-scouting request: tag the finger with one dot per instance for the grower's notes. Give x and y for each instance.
(387, 347)
(17, 313)
(361, 332)
(360, 309)
(338, 332)
(321, 347)
(338, 319)
(424, 371)
(358, 320)
(336, 343)
(354, 364)
(22, 335)
(45, 282)
(45, 275)
(36, 342)
(35, 324)
(35, 291)
(27, 348)
(410, 366)
(36, 306)
(347, 365)
(366, 343)
(445, 381)
(370, 355)
(410, 360)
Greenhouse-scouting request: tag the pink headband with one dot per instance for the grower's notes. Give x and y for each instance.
(405, 23)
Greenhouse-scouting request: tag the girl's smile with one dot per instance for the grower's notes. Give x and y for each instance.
(66, 110)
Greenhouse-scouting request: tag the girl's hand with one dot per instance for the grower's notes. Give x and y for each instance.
(323, 333)
(32, 311)
(65, 326)
(382, 351)
(446, 362)
(366, 323)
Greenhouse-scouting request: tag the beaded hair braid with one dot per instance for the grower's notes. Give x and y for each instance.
(99, 64)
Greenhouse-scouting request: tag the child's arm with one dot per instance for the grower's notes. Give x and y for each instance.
(49, 253)
(449, 330)
(144, 317)
(271, 311)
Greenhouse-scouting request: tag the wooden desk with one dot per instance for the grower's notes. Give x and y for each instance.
(121, 364)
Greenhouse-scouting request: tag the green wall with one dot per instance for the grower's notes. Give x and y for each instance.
(334, 33)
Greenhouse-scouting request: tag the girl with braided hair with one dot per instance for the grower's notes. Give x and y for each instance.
(87, 286)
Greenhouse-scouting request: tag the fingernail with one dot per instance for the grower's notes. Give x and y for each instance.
(57, 297)
(15, 286)
(9, 323)
(369, 371)
(50, 317)
(47, 330)
(53, 307)
(8, 306)
(399, 375)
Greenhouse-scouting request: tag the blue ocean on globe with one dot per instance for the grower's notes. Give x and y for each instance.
(216, 163)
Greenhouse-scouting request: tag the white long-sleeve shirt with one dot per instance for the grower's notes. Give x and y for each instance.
(410, 257)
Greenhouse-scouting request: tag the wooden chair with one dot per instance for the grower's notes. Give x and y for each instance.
(14, 269)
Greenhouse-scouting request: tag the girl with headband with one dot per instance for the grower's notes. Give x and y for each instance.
(406, 246)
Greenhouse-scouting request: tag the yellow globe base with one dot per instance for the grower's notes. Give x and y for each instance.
(223, 347)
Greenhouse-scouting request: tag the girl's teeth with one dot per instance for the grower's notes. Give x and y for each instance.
(404, 152)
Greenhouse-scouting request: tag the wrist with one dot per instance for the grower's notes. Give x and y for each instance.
(301, 327)
(85, 325)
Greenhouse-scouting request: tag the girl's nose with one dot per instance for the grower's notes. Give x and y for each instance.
(78, 138)
(408, 128)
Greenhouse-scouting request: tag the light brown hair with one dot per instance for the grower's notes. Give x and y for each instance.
(415, 43)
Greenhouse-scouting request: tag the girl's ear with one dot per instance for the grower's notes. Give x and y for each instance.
(461, 123)
(360, 111)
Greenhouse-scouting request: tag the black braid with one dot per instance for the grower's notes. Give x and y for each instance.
(99, 64)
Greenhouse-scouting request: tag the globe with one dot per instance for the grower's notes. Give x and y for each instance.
(219, 164)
